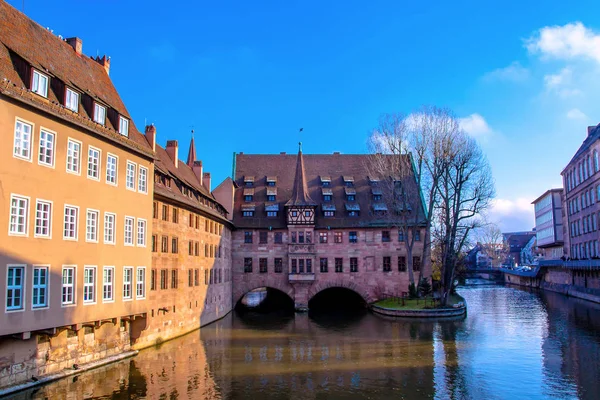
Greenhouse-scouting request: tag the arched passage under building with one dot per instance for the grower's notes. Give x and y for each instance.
(265, 300)
(337, 299)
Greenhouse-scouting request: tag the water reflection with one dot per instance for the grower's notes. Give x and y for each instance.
(513, 344)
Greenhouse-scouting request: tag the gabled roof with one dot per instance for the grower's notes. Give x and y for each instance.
(592, 137)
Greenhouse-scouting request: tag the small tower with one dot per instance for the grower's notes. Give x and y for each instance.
(300, 208)
(192, 152)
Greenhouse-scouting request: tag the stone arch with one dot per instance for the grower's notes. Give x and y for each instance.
(319, 287)
(239, 292)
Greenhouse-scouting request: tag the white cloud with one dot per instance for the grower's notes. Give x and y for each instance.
(475, 125)
(515, 72)
(577, 114)
(566, 42)
(556, 80)
(513, 215)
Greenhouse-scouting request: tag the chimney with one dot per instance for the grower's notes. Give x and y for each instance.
(151, 136)
(197, 168)
(173, 151)
(206, 180)
(76, 44)
(105, 62)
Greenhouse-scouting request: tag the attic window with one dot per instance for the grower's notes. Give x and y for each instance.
(72, 100)
(349, 181)
(248, 195)
(271, 180)
(99, 114)
(271, 194)
(248, 180)
(39, 83)
(373, 181)
(124, 126)
(325, 181)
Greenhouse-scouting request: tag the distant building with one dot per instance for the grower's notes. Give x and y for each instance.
(515, 242)
(549, 224)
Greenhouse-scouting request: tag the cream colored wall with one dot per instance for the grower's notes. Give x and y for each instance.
(29, 179)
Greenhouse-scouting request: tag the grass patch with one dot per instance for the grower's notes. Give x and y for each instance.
(416, 304)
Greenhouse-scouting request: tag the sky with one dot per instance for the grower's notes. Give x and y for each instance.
(245, 76)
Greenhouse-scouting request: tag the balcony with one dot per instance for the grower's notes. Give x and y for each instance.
(304, 277)
(301, 248)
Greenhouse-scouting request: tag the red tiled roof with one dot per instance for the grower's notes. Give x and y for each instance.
(24, 41)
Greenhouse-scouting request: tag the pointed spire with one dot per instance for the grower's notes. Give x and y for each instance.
(192, 152)
(300, 196)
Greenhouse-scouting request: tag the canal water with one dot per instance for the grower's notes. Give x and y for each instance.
(514, 344)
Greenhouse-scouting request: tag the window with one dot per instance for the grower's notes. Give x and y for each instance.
(89, 285)
(43, 218)
(196, 277)
(402, 264)
(175, 215)
(164, 279)
(300, 237)
(19, 214)
(263, 237)
(247, 265)
(174, 279)
(39, 83)
(111, 169)
(327, 197)
(196, 249)
(109, 228)
(309, 266)
(596, 161)
(308, 237)
(387, 264)
(337, 237)
(190, 248)
(351, 197)
(130, 178)
(271, 213)
(165, 212)
(248, 237)
(323, 265)
(93, 168)
(72, 100)
(91, 226)
(400, 235)
(99, 113)
(73, 154)
(271, 197)
(248, 213)
(262, 265)
(353, 213)
(46, 153)
(123, 126)
(140, 283)
(107, 284)
(385, 236)
(14, 288)
(353, 264)
(376, 197)
(417, 234)
(153, 279)
(278, 237)
(127, 283)
(70, 225)
(301, 266)
(40, 287)
(294, 266)
(22, 140)
(353, 237)
(174, 248)
(248, 198)
(141, 232)
(154, 243)
(294, 237)
(143, 179)
(322, 237)
(190, 277)
(278, 265)
(129, 231)
(416, 263)
(206, 277)
(68, 285)
(339, 265)
(328, 213)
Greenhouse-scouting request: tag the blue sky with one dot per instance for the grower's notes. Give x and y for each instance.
(246, 75)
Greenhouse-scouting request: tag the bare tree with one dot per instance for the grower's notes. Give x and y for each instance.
(490, 238)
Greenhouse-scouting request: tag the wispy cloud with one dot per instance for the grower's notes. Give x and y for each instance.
(515, 72)
(512, 214)
(565, 42)
(475, 125)
(577, 114)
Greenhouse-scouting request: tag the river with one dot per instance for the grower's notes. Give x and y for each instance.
(514, 344)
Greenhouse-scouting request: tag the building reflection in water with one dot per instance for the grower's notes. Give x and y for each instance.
(513, 344)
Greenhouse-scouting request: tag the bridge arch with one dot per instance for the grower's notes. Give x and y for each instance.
(321, 286)
(241, 291)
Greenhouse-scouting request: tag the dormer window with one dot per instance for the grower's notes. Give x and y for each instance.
(349, 181)
(325, 181)
(350, 194)
(373, 181)
(271, 181)
(352, 209)
(248, 195)
(39, 83)
(124, 126)
(248, 210)
(271, 194)
(327, 194)
(72, 100)
(377, 194)
(99, 114)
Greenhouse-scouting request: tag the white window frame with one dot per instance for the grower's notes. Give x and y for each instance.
(123, 126)
(70, 94)
(106, 283)
(42, 146)
(18, 151)
(50, 205)
(98, 163)
(128, 285)
(77, 159)
(27, 200)
(88, 212)
(113, 228)
(35, 83)
(141, 234)
(128, 234)
(97, 108)
(130, 179)
(140, 284)
(45, 287)
(142, 182)
(72, 285)
(109, 156)
(88, 285)
(13, 287)
(76, 208)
